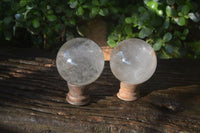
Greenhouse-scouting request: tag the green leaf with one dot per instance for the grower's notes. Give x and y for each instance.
(167, 37)
(80, 11)
(103, 2)
(35, 23)
(129, 36)
(113, 37)
(168, 11)
(94, 12)
(194, 16)
(129, 20)
(152, 4)
(29, 7)
(103, 12)
(50, 12)
(95, 2)
(159, 12)
(145, 32)
(142, 9)
(145, 16)
(51, 17)
(166, 24)
(18, 16)
(183, 37)
(157, 46)
(185, 9)
(180, 14)
(72, 22)
(180, 21)
(170, 2)
(169, 48)
(111, 43)
(128, 29)
(73, 4)
(23, 2)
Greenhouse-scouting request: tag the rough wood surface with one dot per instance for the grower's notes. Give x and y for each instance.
(32, 99)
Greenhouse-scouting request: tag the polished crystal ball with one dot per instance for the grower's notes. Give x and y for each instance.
(133, 61)
(80, 61)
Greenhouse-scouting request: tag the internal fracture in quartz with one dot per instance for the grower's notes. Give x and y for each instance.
(80, 61)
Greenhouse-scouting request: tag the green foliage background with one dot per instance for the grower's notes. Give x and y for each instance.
(171, 26)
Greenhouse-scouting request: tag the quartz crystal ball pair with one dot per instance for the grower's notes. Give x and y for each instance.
(80, 61)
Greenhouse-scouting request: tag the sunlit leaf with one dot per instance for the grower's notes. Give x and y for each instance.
(111, 43)
(180, 21)
(152, 4)
(168, 11)
(194, 16)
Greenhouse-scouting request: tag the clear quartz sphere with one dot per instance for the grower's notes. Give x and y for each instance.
(133, 61)
(80, 61)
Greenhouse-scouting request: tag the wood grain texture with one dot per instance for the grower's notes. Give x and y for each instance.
(32, 99)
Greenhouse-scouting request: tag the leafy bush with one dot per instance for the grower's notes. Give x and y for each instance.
(170, 26)
(163, 24)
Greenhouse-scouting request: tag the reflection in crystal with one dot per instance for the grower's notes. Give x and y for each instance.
(70, 61)
(124, 58)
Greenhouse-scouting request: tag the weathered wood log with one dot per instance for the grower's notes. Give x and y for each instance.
(32, 99)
